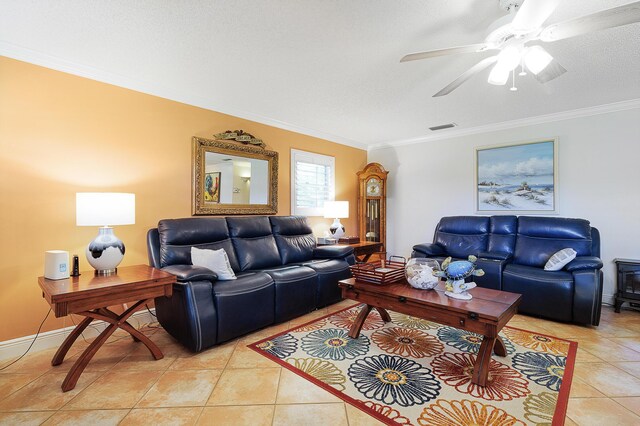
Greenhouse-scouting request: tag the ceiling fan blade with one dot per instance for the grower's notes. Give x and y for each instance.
(551, 71)
(609, 18)
(532, 14)
(467, 75)
(472, 48)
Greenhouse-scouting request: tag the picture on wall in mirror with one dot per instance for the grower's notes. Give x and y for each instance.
(517, 178)
(212, 187)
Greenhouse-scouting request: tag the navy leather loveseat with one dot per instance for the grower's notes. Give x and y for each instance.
(280, 273)
(513, 251)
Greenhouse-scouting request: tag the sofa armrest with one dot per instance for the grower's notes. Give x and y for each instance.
(429, 249)
(494, 255)
(186, 273)
(332, 252)
(584, 262)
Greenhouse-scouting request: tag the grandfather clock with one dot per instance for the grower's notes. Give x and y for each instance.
(372, 203)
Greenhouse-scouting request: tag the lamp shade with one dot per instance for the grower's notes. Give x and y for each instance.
(105, 208)
(336, 209)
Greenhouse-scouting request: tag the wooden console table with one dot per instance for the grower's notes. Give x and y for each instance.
(363, 250)
(89, 295)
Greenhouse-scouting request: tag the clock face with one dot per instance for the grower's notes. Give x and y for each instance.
(373, 187)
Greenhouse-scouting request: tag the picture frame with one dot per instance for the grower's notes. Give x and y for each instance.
(211, 189)
(517, 178)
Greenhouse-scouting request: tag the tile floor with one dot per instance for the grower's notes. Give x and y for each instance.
(231, 384)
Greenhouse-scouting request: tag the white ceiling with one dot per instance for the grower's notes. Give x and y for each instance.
(326, 68)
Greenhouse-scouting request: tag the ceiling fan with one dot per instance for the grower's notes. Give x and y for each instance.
(514, 35)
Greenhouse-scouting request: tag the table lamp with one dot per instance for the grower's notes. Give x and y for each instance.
(103, 209)
(337, 210)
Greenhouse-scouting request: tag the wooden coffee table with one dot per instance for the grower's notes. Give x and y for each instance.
(485, 314)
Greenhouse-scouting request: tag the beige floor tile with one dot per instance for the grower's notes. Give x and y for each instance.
(162, 416)
(569, 422)
(169, 346)
(630, 403)
(244, 357)
(86, 417)
(600, 411)
(9, 383)
(38, 362)
(105, 359)
(265, 332)
(248, 415)
(313, 415)
(212, 358)
(580, 389)
(115, 389)
(45, 393)
(582, 355)
(629, 367)
(358, 417)
(308, 317)
(628, 342)
(608, 379)
(181, 388)
(246, 387)
(294, 389)
(30, 418)
(144, 362)
(610, 351)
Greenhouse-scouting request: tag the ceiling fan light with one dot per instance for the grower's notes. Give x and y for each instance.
(509, 58)
(498, 75)
(536, 59)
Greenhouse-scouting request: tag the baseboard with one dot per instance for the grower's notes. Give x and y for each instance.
(608, 299)
(54, 338)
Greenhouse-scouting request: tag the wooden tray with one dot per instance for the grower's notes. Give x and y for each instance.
(380, 272)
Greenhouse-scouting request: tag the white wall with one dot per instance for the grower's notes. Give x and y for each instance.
(599, 180)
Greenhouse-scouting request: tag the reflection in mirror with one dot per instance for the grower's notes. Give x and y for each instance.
(230, 178)
(236, 180)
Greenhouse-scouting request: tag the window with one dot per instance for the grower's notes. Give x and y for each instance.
(312, 182)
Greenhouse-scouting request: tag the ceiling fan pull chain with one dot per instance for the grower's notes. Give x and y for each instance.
(513, 81)
(522, 71)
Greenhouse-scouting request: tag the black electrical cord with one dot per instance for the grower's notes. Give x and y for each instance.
(30, 346)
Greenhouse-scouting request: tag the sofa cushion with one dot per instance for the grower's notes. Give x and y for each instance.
(560, 259)
(177, 236)
(329, 271)
(502, 234)
(545, 293)
(216, 260)
(294, 238)
(253, 242)
(540, 237)
(463, 235)
(295, 291)
(243, 305)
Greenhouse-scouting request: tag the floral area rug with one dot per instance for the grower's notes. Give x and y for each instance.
(415, 372)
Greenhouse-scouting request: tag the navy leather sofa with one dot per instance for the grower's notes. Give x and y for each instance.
(280, 273)
(513, 251)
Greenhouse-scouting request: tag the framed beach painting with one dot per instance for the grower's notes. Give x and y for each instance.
(519, 178)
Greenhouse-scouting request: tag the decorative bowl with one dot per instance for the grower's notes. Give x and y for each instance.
(419, 273)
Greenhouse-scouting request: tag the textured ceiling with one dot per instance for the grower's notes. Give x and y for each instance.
(325, 68)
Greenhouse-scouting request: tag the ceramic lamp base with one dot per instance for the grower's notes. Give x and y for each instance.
(105, 252)
(336, 229)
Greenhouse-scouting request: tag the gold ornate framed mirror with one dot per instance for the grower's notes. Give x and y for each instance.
(232, 178)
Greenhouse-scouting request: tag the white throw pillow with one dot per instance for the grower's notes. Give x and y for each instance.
(216, 260)
(559, 259)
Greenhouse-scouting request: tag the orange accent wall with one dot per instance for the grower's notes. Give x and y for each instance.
(61, 134)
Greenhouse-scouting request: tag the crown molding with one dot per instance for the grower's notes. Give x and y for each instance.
(20, 53)
(530, 121)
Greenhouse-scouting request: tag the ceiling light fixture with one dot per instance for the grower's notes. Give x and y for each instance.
(536, 59)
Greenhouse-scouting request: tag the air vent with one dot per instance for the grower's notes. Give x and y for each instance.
(442, 126)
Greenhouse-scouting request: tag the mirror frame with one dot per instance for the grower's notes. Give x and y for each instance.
(200, 146)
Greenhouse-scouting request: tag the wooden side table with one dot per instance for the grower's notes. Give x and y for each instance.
(363, 250)
(90, 295)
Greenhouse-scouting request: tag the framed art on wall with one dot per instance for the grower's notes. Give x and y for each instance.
(212, 187)
(517, 178)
